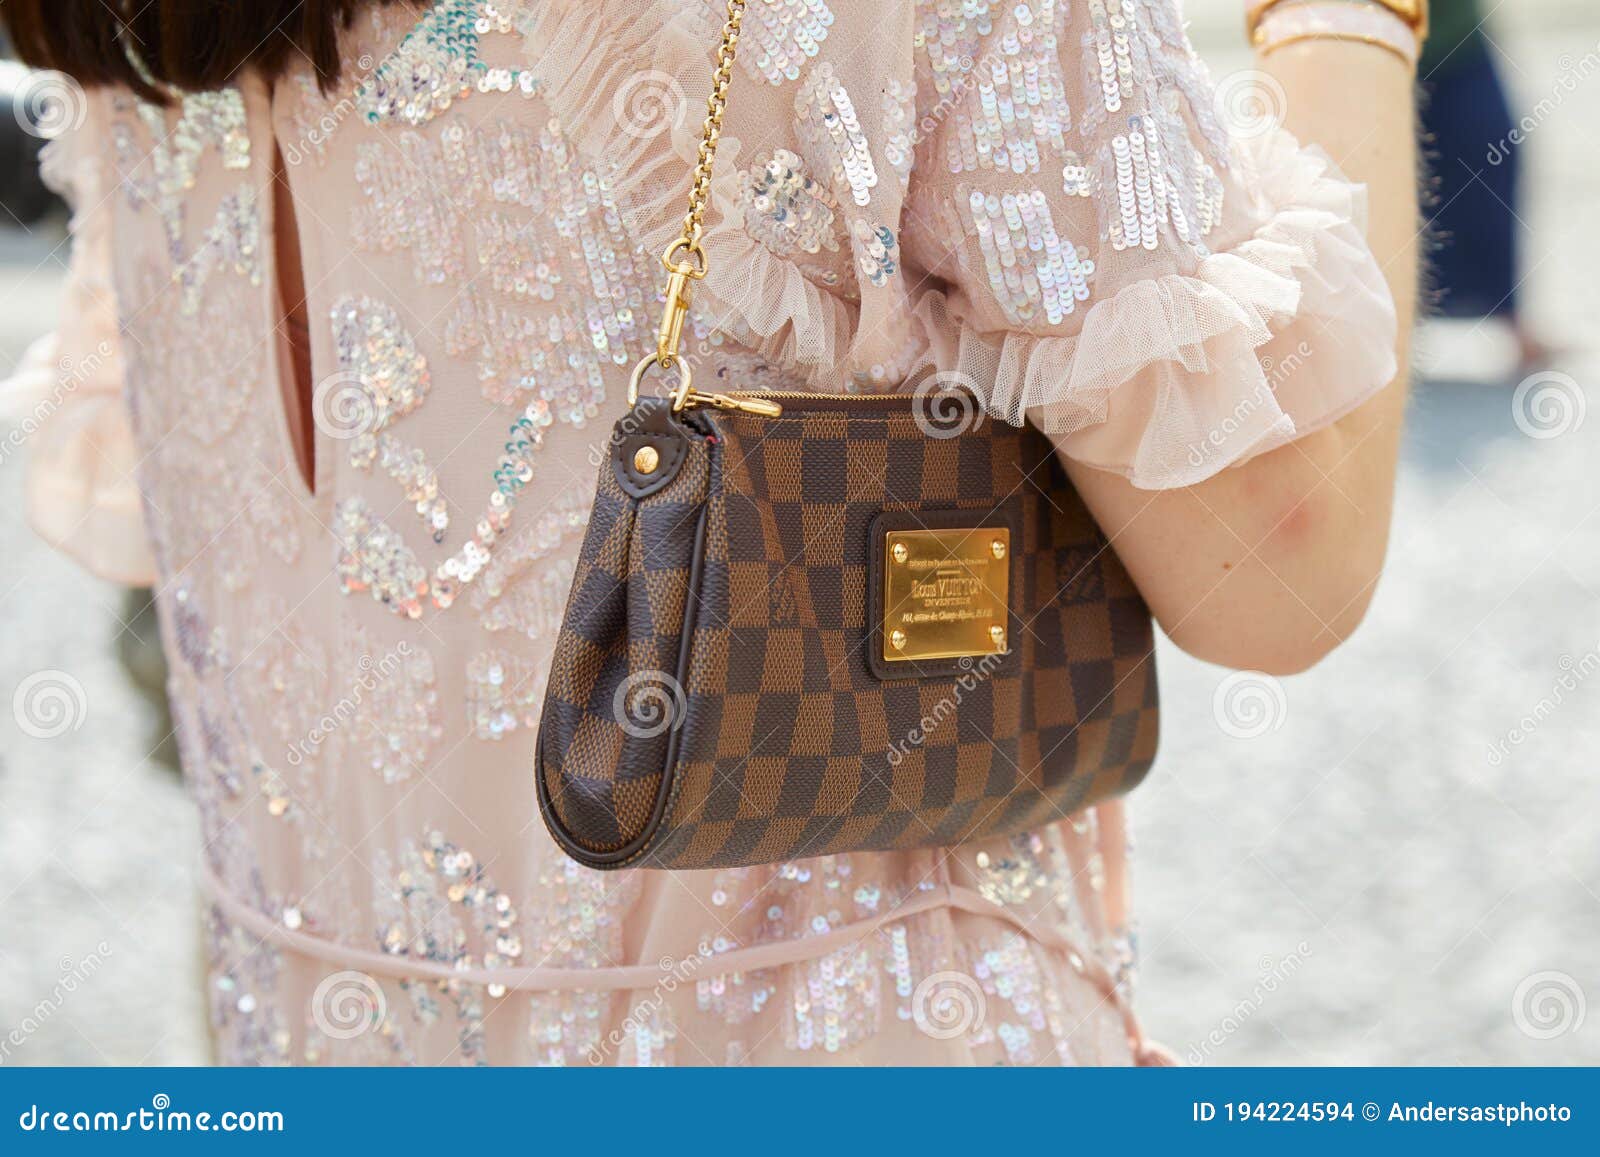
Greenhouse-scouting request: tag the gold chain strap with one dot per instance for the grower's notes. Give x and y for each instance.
(685, 258)
(710, 134)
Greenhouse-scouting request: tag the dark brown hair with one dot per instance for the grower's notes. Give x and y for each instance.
(185, 44)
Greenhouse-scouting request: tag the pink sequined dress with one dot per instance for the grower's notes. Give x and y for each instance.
(1042, 196)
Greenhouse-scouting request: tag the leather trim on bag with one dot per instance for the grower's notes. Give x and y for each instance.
(640, 844)
(652, 423)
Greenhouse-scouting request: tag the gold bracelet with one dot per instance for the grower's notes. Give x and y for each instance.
(1414, 13)
(1336, 20)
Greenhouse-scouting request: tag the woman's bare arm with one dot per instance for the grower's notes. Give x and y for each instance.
(1271, 564)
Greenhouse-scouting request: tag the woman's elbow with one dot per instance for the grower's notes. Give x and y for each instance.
(1271, 625)
(1287, 649)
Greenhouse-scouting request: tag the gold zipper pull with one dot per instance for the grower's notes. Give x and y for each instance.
(744, 405)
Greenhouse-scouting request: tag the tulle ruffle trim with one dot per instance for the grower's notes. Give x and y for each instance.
(1168, 381)
(629, 92)
(1176, 377)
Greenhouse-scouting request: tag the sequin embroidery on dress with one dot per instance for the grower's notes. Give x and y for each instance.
(1148, 78)
(477, 286)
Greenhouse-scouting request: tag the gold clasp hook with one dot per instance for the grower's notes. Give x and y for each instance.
(680, 393)
(684, 395)
(669, 334)
(685, 259)
(680, 285)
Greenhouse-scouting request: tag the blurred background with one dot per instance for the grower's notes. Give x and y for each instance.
(1389, 860)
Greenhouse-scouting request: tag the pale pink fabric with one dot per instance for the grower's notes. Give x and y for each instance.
(1185, 359)
(380, 888)
(65, 401)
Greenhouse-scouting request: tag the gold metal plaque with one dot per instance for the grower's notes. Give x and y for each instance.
(944, 592)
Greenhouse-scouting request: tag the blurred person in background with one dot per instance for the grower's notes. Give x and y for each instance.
(1467, 126)
(341, 247)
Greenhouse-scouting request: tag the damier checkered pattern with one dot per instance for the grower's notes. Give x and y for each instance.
(790, 746)
(612, 705)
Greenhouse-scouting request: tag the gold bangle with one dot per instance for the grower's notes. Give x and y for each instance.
(1413, 12)
(1336, 20)
(1306, 37)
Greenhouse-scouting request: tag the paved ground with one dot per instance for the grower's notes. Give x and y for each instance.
(1361, 883)
(1364, 884)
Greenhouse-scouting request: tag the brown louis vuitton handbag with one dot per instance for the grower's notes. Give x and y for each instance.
(804, 624)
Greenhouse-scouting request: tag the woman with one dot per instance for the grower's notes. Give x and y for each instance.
(335, 297)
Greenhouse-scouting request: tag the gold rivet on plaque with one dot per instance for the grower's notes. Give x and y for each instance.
(998, 634)
(998, 548)
(897, 638)
(900, 552)
(646, 459)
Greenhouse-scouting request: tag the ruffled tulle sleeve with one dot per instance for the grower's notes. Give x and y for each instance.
(64, 399)
(1048, 203)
